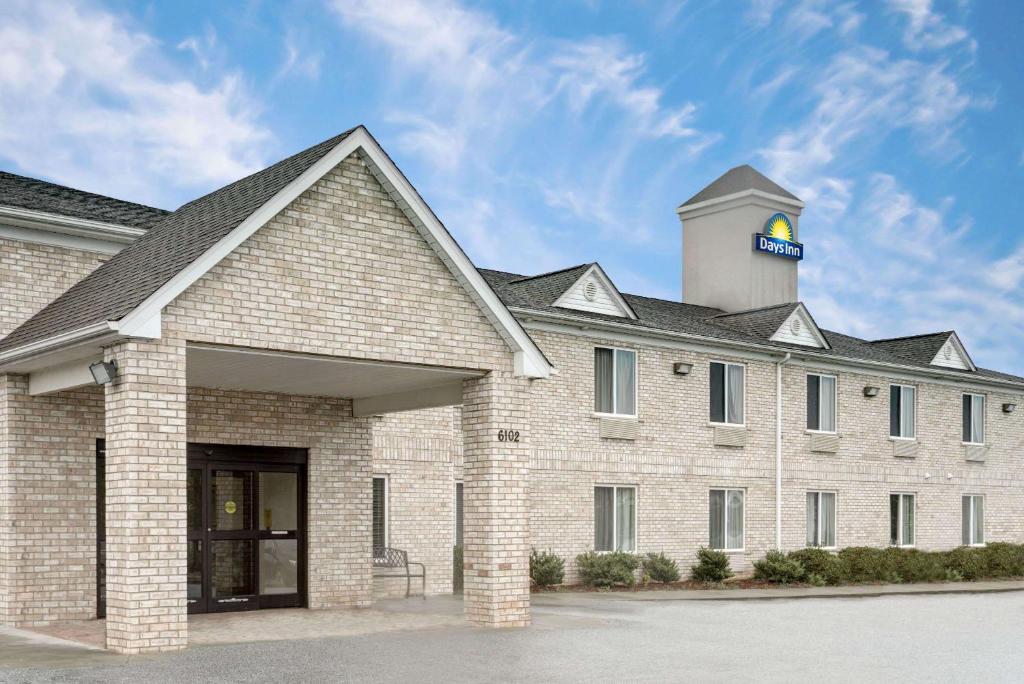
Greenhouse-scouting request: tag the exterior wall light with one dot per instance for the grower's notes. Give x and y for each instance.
(1009, 407)
(870, 391)
(682, 368)
(103, 371)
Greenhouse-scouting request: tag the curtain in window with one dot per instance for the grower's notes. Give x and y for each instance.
(625, 514)
(979, 520)
(894, 519)
(895, 395)
(603, 383)
(965, 521)
(735, 396)
(625, 393)
(716, 519)
(812, 518)
(734, 531)
(813, 409)
(907, 423)
(717, 393)
(978, 418)
(908, 520)
(379, 513)
(966, 419)
(604, 519)
(828, 519)
(828, 404)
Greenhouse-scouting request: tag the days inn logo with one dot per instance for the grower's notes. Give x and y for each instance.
(777, 238)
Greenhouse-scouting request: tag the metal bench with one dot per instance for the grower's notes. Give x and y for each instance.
(387, 558)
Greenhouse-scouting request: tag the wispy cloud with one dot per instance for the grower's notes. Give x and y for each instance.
(90, 101)
(297, 61)
(928, 29)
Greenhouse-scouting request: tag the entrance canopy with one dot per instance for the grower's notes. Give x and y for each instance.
(374, 386)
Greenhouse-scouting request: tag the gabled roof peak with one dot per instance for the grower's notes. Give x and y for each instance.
(739, 179)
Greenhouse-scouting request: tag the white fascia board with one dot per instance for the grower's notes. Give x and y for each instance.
(444, 395)
(69, 225)
(50, 344)
(587, 327)
(686, 209)
(960, 348)
(64, 376)
(597, 271)
(55, 239)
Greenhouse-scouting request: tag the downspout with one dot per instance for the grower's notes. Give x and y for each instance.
(778, 449)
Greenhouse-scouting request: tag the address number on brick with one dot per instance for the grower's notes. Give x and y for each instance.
(508, 435)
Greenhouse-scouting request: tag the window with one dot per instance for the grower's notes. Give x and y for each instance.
(380, 512)
(458, 514)
(902, 408)
(973, 520)
(726, 393)
(615, 381)
(821, 519)
(974, 418)
(901, 519)
(821, 403)
(725, 519)
(615, 519)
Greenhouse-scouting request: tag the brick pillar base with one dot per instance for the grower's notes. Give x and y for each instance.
(496, 509)
(146, 498)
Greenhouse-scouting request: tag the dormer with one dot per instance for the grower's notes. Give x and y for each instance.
(784, 323)
(942, 349)
(594, 291)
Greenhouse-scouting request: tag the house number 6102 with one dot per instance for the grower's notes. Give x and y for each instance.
(508, 435)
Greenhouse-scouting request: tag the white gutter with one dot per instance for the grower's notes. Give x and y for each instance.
(778, 449)
(70, 225)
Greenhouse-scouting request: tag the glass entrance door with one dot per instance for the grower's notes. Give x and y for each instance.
(246, 534)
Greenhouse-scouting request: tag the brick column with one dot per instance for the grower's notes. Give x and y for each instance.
(146, 498)
(495, 505)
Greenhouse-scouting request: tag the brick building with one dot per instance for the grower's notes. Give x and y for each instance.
(230, 405)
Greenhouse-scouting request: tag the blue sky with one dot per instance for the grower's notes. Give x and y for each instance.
(546, 134)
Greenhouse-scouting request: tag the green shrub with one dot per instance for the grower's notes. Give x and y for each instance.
(967, 562)
(607, 569)
(824, 566)
(660, 568)
(457, 569)
(779, 568)
(912, 565)
(866, 564)
(1003, 560)
(712, 566)
(815, 580)
(546, 569)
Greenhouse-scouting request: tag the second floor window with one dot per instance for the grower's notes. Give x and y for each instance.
(821, 403)
(726, 393)
(615, 381)
(974, 418)
(902, 411)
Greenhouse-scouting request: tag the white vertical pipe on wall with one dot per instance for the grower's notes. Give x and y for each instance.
(778, 449)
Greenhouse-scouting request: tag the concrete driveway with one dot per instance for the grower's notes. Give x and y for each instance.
(965, 637)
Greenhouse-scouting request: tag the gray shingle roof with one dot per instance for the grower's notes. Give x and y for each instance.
(752, 327)
(738, 179)
(121, 284)
(920, 348)
(30, 193)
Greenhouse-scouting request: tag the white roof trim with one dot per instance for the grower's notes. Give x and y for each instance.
(784, 334)
(959, 348)
(597, 272)
(69, 225)
(144, 320)
(753, 192)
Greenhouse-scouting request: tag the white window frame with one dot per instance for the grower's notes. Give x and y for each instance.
(387, 508)
(615, 515)
(900, 542)
(725, 395)
(725, 513)
(835, 403)
(835, 521)
(984, 508)
(917, 415)
(615, 382)
(984, 422)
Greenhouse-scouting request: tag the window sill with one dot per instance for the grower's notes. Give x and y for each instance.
(620, 416)
(730, 551)
(973, 444)
(902, 439)
(738, 426)
(809, 431)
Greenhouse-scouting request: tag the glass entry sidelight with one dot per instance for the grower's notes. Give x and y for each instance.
(246, 530)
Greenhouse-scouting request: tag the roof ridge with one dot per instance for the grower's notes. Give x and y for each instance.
(912, 337)
(551, 273)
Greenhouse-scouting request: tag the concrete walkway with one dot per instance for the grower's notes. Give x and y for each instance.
(851, 591)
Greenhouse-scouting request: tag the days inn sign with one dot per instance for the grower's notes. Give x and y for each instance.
(777, 238)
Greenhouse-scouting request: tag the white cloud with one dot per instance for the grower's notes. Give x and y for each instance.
(89, 101)
(298, 62)
(928, 29)
(1008, 273)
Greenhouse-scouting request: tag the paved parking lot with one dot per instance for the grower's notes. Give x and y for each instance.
(971, 637)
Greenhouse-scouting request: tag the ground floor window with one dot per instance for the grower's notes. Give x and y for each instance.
(614, 518)
(380, 512)
(725, 519)
(458, 514)
(901, 519)
(821, 519)
(973, 520)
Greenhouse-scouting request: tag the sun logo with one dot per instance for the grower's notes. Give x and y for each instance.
(780, 228)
